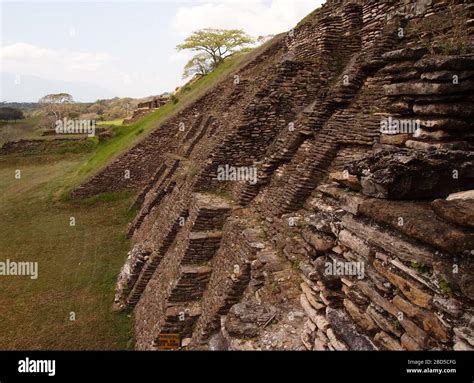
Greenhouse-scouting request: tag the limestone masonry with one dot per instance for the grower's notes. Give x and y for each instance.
(145, 108)
(353, 237)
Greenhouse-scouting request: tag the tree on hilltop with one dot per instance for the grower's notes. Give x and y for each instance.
(214, 46)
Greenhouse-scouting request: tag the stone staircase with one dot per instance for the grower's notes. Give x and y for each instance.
(153, 194)
(310, 163)
(205, 124)
(137, 204)
(293, 82)
(155, 259)
(322, 105)
(186, 266)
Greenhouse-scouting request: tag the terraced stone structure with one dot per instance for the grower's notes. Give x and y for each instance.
(358, 232)
(145, 108)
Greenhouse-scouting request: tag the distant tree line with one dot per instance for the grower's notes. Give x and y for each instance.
(11, 114)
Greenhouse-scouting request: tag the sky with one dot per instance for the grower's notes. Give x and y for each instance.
(118, 48)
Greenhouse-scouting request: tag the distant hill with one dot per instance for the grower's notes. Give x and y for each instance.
(32, 88)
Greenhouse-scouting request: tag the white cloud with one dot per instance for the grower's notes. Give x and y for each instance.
(62, 64)
(256, 17)
(77, 61)
(22, 51)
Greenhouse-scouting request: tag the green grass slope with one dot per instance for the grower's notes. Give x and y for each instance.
(77, 265)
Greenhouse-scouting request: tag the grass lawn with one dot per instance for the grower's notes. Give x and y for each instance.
(77, 266)
(118, 122)
(21, 129)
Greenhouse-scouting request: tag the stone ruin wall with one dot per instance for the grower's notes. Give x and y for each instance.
(134, 169)
(146, 108)
(243, 266)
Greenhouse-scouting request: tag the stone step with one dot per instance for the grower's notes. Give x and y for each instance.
(180, 320)
(202, 131)
(191, 132)
(150, 267)
(157, 177)
(202, 247)
(191, 284)
(153, 198)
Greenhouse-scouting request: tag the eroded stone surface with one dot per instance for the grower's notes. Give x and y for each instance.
(410, 174)
(245, 319)
(459, 211)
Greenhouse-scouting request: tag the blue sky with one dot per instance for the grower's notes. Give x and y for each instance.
(118, 48)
